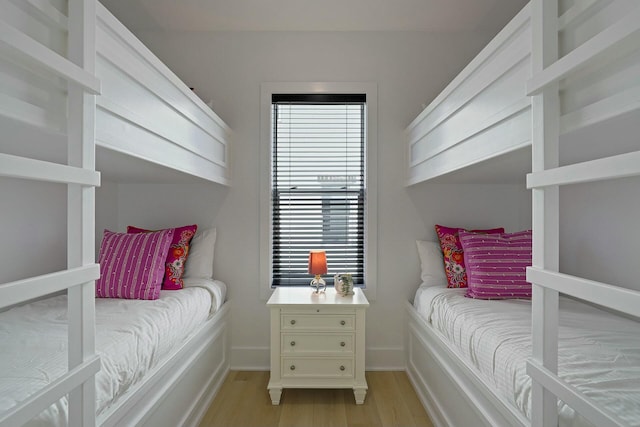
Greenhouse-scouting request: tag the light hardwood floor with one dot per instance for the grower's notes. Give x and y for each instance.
(243, 401)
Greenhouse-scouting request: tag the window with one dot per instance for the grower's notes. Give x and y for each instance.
(335, 215)
(318, 184)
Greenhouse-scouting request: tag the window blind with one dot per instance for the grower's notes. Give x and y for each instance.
(318, 185)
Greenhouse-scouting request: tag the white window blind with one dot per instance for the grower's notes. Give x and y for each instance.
(318, 185)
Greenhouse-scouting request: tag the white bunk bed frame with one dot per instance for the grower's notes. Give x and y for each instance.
(484, 112)
(81, 179)
(183, 133)
(449, 388)
(549, 70)
(186, 136)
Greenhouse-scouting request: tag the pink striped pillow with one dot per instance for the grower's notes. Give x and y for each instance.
(176, 256)
(132, 265)
(496, 264)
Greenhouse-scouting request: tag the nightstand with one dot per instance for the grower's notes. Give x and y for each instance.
(317, 341)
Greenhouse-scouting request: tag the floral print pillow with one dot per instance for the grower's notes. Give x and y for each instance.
(177, 256)
(453, 255)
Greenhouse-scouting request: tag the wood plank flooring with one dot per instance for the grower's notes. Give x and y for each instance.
(243, 401)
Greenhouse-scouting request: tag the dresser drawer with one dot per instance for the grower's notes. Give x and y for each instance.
(317, 367)
(317, 343)
(319, 322)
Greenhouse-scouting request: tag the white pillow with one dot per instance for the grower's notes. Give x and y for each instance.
(199, 263)
(432, 263)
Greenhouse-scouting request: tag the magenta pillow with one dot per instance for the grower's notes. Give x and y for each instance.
(497, 263)
(454, 266)
(177, 255)
(132, 265)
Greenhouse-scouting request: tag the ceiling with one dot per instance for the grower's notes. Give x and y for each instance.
(314, 15)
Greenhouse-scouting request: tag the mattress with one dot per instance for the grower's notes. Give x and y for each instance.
(598, 352)
(132, 337)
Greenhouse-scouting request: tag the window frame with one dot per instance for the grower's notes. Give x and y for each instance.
(371, 162)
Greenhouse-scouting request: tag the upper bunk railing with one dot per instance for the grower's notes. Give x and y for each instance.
(549, 72)
(183, 133)
(27, 49)
(627, 28)
(468, 121)
(39, 55)
(40, 170)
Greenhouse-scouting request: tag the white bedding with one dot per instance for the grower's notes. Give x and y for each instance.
(599, 353)
(132, 336)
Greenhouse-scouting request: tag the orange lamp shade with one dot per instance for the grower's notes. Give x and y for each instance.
(317, 262)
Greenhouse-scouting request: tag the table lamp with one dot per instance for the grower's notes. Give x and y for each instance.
(317, 267)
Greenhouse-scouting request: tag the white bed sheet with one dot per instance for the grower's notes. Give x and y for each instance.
(132, 336)
(599, 353)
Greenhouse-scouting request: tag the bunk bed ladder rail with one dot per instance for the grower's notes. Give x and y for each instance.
(81, 179)
(545, 179)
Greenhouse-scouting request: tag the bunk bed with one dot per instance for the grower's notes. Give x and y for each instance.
(483, 114)
(80, 96)
(580, 84)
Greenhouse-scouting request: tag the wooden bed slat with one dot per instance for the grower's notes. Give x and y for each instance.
(503, 36)
(572, 397)
(29, 49)
(607, 108)
(545, 128)
(81, 113)
(34, 115)
(464, 134)
(620, 166)
(574, 13)
(603, 294)
(41, 400)
(26, 289)
(493, 73)
(50, 13)
(110, 21)
(588, 52)
(25, 168)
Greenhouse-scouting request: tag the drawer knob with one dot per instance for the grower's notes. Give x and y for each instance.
(342, 344)
(342, 367)
(292, 367)
(342, 322)
(293, 343)
(293, 322)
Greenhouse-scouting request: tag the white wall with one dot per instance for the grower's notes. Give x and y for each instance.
(106, 210)
(410, 69)
(33, 215)
(157, 206)
(33, 226)
(599, 237)
(601, 241)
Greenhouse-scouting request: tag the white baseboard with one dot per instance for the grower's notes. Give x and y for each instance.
(385, 359)
(250, 358)
(376, 359)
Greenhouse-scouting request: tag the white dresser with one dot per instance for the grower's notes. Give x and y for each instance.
(317, 341)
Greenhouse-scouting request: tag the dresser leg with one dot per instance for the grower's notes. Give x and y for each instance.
(359, 394)
(275, 394)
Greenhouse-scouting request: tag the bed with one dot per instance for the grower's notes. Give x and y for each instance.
(599, 352)
(552, 104)
(134, 338)
(82, 98)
